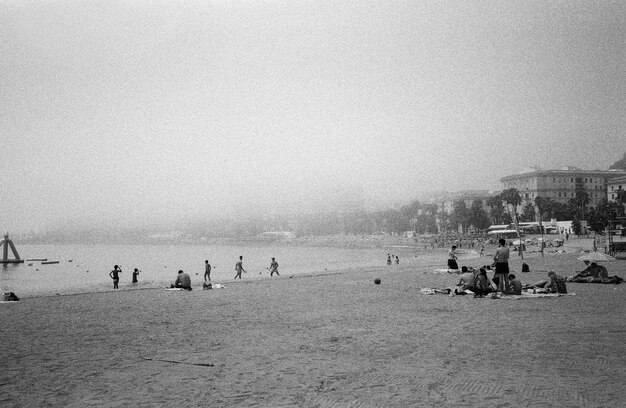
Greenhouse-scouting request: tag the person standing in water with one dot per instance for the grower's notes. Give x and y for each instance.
(135, 275)
(207, 271)
(274, 267)
(115, 275)
(239, 267)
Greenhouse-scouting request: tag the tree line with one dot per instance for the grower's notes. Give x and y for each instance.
(465, 216)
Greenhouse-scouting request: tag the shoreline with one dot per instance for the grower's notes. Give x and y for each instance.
(410, 257)
(334, 339)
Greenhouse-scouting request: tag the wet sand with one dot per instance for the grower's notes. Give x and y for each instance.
(323, 340)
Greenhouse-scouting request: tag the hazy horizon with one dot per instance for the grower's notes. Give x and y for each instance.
(132, 113)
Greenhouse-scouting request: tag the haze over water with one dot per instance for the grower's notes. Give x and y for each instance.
(137, 113)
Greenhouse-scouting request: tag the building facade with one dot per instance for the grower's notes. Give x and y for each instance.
(561, 185)
(613, 186)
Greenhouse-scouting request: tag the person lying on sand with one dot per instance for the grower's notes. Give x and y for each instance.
(594, 273)
(537, 287)
(592, 270)
(590, 279)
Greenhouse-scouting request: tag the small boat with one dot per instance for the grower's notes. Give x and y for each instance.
(49, 262)
(36, 259)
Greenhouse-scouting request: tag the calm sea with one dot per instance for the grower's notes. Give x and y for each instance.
(85, 268)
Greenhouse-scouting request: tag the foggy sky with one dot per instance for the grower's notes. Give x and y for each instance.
(118, 112)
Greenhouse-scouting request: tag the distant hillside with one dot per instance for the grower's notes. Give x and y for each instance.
(620, 164)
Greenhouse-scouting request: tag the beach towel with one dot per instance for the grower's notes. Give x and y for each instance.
(526, 295)
(209, 286)
(433, 291)
(446, 270)
(614, 280)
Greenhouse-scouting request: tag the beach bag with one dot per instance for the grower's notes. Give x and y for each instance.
(9, 297)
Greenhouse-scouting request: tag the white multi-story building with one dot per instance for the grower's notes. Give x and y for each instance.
(561, 185)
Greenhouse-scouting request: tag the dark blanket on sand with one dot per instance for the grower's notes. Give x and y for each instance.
(591, 279)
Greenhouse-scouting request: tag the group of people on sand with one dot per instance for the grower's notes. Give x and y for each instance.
(183, 280)
(393, 258)
(478, 283)
(504, 282)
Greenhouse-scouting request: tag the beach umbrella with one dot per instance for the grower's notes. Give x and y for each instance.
(596, 257)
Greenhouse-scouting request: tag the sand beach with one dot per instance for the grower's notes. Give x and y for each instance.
(321, 340)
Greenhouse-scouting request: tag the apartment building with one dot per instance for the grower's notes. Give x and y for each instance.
(613, 186)
(560, 185)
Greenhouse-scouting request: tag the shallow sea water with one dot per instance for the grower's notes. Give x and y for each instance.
(85, 268)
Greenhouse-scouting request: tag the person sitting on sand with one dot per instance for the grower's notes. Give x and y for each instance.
(515, 285)
(557, 283)
(482, 286)
(452, 258)
(467, 280)
(183, 281)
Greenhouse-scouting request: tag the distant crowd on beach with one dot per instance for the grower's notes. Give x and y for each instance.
(391, 259)
(183, 280)
(476, 281)
(502, 281)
